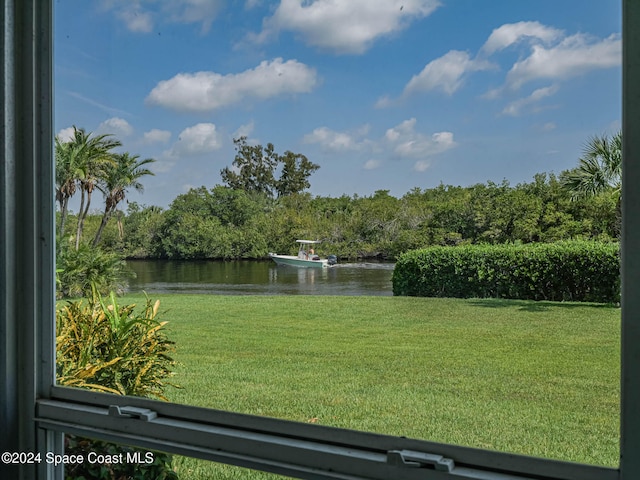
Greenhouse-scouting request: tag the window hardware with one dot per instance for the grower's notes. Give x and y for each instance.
(142, 413)
(410, 458)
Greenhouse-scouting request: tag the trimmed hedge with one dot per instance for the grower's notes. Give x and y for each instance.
(564, 271)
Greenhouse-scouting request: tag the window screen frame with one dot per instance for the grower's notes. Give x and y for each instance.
(34, 412)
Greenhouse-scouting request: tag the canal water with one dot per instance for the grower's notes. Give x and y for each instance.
(250, 277)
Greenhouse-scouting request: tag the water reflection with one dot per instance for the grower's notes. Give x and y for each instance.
(246, 277)
(305, 275)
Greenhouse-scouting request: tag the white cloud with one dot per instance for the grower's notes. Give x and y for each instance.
(65, 135)
(206, 91)
(510, 33)
(141, 16)
(244, 130)
(445, 73)
(115, 126)
(573, 56)
(344, 26)
(421, 166)
(331, 140)
(405, 128)
(549, 55)
(372, 164)
(193, 11)
(154, 136)
(547, 127)
(492, 94)
(384, 102)
(136, 19)
(363, 130)
(406, 142)
(515, 107)
(400, 141)
(199, 139)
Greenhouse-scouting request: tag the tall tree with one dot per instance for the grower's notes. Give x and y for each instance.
(294, 177)
(116, 179)
(599, 170)
(255, 168)
(91, 157)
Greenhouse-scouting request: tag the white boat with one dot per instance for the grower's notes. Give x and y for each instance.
(306, 257)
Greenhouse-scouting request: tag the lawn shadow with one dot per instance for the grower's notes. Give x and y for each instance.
(534, 305)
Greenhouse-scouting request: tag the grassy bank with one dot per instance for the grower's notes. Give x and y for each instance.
(534, 378)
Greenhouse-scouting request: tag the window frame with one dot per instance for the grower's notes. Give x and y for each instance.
(34, 412)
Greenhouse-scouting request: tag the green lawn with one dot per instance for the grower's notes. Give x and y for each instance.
(533, 378)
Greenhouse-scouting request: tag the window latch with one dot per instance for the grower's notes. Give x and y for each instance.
(132, 412)
(413, 459)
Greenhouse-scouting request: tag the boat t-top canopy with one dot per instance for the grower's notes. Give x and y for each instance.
(307, 242)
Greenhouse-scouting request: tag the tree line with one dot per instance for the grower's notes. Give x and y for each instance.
(263, 207)
(224, 223)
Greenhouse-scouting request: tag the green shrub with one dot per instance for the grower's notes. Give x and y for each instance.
(159, 469)
(111, 348)
(81, 270)
(571, 271)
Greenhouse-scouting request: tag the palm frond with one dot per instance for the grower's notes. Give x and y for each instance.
(599, 169)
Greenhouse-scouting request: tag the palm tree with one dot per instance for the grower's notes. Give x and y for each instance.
(65, 178)
(117, 179)
(92, 156)
(599, 170)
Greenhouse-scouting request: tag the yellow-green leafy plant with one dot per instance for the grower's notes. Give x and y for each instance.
(103, 346)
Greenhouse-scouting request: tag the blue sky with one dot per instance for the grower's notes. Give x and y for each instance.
(382, 94)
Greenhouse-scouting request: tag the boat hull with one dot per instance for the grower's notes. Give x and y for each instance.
(292, 261)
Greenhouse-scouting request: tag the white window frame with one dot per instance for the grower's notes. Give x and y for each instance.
(34, 412)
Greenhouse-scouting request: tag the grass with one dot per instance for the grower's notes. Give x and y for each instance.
(533, 378)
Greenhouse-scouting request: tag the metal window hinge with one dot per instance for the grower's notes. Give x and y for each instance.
(410, 458)
(132, 412)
